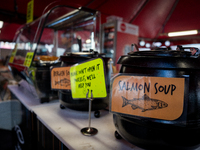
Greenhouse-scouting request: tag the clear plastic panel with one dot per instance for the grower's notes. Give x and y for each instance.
(62, 29)
(39, 44)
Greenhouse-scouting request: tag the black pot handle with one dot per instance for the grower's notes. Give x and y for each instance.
(194, 51)
(134, 48)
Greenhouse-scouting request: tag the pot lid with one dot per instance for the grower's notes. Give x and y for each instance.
(90, 53)
(164, 53)
(166, 59)
(76, 57)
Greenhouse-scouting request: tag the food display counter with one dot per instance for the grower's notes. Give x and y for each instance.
(80, 73)
(62, 127)
(50, 127)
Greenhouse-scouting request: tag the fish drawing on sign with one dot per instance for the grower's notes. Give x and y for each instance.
(145, 103)
(63, 82)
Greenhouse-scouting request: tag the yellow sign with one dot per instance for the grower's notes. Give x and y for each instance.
(28, 59)
(14, 51)
(29, 15)
(87, 77)
(60, 78)
(152, 97)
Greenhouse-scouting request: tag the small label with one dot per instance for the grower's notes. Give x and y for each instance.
(87, 77)
(28, 59)
(60, 78)
(152, 97)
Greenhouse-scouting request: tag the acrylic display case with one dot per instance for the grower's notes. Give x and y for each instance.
(40, 43)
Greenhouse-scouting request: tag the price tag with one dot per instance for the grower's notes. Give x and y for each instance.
(28, 59)
(86, 77)
(60, 78)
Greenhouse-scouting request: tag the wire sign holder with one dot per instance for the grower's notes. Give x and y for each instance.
(89, 131)
(87, 79)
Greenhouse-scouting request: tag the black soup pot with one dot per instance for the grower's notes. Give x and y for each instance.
(151, 133)
(43, 80)
(65, 96)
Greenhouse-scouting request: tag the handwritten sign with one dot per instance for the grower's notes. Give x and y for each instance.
(86, 77)
(152, 97)
(14, 51)
(60, 78)
(29, 15)
(28, 59)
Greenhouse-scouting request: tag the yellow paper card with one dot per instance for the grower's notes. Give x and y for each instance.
(28, 59)
(14, 51)
(29, 15)
(87, 77)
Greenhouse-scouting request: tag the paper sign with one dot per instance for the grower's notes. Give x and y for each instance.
(60, 78)
(13, 54)
(28, 59)
(152, 97)
(29, 15)
(86, 77)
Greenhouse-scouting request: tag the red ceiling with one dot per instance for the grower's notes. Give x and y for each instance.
(186, 16)
(154, 17)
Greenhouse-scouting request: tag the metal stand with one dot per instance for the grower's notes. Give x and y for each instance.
(89, 131)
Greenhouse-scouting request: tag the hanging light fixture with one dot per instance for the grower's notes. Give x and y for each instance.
(182, 33)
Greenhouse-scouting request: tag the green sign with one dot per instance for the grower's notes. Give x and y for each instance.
(87, 77)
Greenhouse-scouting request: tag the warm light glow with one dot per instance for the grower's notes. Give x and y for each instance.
(182, 33)
(88, 41)
(1, 24)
